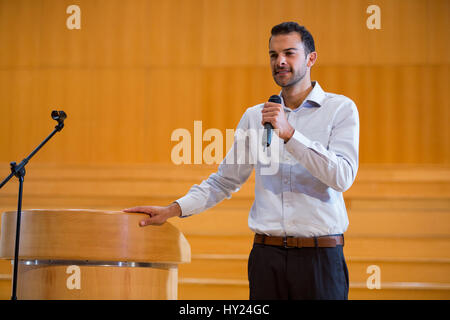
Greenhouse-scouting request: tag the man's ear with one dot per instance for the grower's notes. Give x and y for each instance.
(312, 57)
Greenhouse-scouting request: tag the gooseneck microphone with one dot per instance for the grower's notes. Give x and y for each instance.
(59, 116)
(267, 138)
(18, 170)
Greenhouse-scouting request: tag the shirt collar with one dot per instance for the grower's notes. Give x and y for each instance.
(313, 99)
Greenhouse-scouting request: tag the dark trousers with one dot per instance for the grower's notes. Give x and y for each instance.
(297, 273)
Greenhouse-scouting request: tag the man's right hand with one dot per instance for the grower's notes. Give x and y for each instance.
(157, 215)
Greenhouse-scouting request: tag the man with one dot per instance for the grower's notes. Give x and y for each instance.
(298, 214)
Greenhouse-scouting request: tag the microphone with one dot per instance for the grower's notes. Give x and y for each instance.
(59, 116)
(267, 138)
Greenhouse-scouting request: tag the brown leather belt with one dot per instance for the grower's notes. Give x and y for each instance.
(291, 242)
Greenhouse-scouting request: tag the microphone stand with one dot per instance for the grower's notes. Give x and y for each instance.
(18, 170)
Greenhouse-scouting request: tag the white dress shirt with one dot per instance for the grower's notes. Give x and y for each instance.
(302, 195)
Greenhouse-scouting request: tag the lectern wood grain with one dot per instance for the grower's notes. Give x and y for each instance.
(98, 282)
(91, 235)
(115, 257)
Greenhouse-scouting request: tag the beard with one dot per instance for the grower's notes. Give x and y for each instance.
(296, 77)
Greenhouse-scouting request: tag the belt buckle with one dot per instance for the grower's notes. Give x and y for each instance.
(285, 244)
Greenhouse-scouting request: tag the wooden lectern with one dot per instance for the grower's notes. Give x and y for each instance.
(88, 254)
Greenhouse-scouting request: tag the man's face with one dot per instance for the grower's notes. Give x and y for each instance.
(287, 59)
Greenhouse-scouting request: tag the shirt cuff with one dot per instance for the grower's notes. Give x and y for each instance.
(187, 205)
(297, 144)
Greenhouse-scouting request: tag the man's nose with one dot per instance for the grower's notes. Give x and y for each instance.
(281, 61)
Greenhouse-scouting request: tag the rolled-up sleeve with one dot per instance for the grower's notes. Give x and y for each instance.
(335, 165)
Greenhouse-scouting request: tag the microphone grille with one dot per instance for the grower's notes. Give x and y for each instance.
(275, 98)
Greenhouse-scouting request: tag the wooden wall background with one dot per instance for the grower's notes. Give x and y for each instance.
(139, 69)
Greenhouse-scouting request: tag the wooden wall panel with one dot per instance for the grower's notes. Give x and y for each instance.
(139, 69)
(113, 33)
(412, 30)
(403, 110)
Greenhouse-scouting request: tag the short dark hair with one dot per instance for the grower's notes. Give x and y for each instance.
(288, 27)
